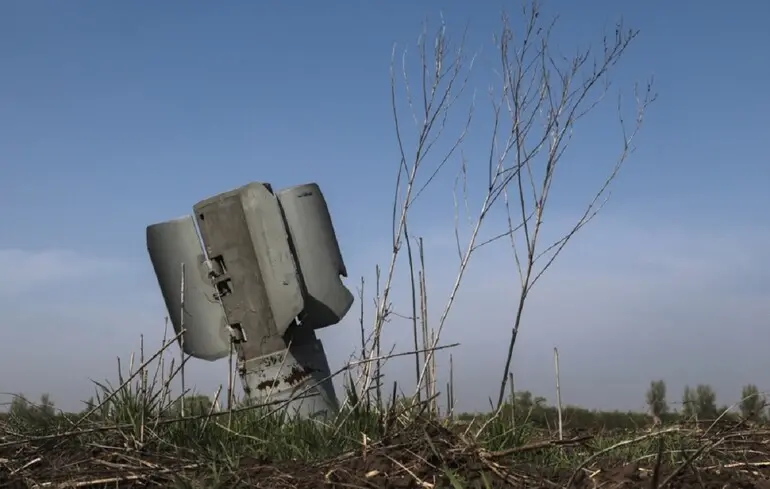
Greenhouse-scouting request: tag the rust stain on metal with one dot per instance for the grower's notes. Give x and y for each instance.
(268, 384)
(273, 361)
(298, 374)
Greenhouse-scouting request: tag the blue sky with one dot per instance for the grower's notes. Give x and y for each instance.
(117, 115)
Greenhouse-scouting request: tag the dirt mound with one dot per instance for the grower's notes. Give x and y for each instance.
(424, 456)
(429, 456)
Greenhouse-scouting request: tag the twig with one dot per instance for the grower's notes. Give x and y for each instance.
(689, 461)
(181, 338)
(615, 447)
(537, 446)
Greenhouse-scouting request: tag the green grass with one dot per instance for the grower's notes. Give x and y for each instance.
(136, 425)
(133, 418)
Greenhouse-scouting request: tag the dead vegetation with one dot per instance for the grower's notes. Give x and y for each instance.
(410, 452)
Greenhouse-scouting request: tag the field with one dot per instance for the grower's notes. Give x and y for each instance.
(127, 441)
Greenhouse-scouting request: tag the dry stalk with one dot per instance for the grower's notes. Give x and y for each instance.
(441, 73)
(623, 443)
(416, 317)
(130, 378)
(142, 391)
(181, 338)
(541, 88)
(558, 391)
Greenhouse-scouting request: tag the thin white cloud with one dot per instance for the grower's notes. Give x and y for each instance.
(25, 270)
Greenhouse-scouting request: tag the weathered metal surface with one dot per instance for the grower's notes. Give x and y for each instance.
(318, 254)
(255, 275)
(298, 376)
(170, 244)
(273, 275)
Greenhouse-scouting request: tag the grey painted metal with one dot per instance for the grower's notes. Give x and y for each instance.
(255, 274)
(247, 242)
(318, 254)
(170, 244)
(298, 376)
(273, 275)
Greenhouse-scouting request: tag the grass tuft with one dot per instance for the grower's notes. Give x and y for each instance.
(132, 433)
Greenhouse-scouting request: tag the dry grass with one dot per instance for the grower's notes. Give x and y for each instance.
(131, 439)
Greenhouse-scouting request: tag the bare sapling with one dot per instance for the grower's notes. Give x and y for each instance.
(539, 98)
(442, 79)
(558, 392)
(544, 95)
